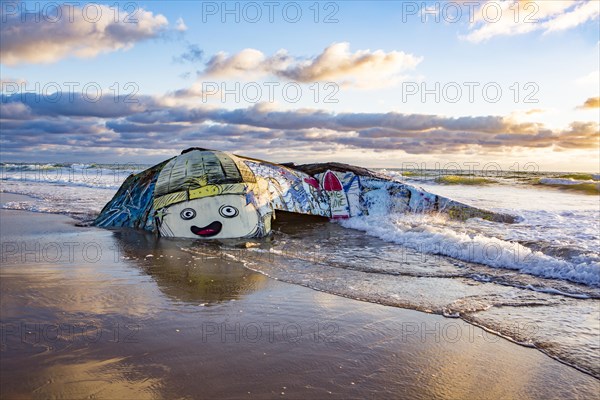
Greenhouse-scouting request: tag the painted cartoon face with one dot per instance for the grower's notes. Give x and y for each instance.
(218, 217)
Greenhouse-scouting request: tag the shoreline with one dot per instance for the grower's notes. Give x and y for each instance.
(346, 348)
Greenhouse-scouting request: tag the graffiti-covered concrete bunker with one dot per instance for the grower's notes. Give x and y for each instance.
(209, 194)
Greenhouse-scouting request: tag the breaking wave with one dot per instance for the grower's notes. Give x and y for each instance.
(423, 233)
(463, 180)
(585, 186)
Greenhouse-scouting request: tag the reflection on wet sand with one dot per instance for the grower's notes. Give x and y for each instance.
(76, 377)
(203, 277)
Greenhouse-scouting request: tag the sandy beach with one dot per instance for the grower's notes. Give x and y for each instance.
(92, 313)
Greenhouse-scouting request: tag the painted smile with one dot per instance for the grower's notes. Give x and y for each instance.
(209, 230)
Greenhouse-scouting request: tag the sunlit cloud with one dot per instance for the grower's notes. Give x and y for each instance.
(78, 32)
(592, 102)
(336, 63)
(150, 125)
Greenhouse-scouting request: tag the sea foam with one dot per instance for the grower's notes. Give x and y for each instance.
(419, 232)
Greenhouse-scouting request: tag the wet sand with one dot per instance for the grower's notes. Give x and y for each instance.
(87, 312)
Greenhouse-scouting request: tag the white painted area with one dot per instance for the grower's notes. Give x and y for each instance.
(237, 218)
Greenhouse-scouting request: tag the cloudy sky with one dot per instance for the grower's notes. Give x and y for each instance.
(381, 84)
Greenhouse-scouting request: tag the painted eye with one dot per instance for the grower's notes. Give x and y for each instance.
(228, 211)
(187, 213)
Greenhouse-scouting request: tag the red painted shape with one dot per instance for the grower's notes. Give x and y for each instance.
(312, 182)
(331, 182)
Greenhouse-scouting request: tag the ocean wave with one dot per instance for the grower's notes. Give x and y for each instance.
(586, 186)
(78, 201)
(86, 175)
(581, 177)
(32, 167)
(8, 167)
(576, 180)
(463, 180)
(99, 183)
(417, 232)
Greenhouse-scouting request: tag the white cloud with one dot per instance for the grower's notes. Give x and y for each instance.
(180, 25)
(247, 61)
(363, 68)
(73, 34)
(515, 17)
(579, 15)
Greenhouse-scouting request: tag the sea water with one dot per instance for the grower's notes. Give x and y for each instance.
(536, 282)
